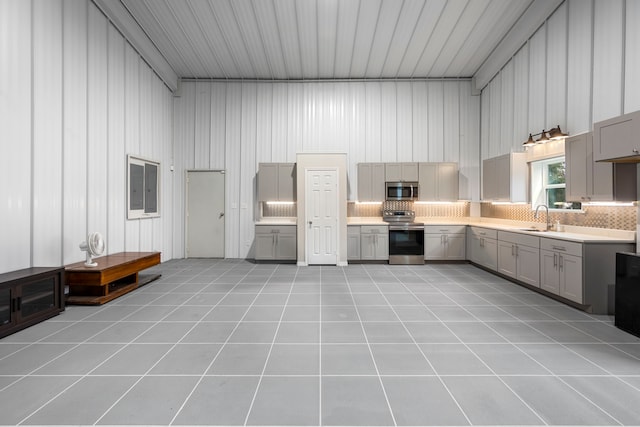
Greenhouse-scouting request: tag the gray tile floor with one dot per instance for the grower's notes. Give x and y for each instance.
(234, 343)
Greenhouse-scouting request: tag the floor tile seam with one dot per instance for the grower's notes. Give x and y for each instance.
(149, 369)
(622, 378)
(375, 364)
(607, 343)
(485, 364)
(266, 362)
(315, 375)
(565, 346)
(197, 384)
(437, 374)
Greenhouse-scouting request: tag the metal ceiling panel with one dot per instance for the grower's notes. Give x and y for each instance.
(499, 19)
(448, 20)
(326, 39)
(458, 36)
(385, 29)
(345, 35)
(405, 29)
(307, 14)
(426, 24)
(248, 27)
(366, 27)
(288, 32)
(267, 20)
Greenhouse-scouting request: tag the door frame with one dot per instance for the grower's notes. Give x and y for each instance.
(186, 209)
(306, 212)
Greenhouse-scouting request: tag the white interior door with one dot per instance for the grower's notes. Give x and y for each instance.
(321, 207)
(205, 214)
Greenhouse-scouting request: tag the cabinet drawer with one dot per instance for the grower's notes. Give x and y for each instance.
(444, 229)
(519, 239)
(374, 229)
(275, 229)
(484, 232)
(353, 230)
(571, 248)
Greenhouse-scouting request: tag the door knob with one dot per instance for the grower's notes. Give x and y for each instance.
(221, 215)
(310, 222)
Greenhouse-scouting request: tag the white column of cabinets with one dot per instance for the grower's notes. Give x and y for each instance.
(519, 257)
(444, 242)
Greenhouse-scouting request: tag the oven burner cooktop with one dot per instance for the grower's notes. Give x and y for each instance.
(402, 216)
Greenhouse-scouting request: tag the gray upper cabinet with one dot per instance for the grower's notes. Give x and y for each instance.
(371, 182)
(276, 182)
(438, 182)
(401, 172)
(505, 178)
(588, 180)
(617, 139)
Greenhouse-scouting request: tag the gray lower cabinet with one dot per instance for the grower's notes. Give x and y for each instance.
(374, 242)
(561, 268)
(444, 242)
(353, 243)
(519, 257)
(276, 242)
(482, 247)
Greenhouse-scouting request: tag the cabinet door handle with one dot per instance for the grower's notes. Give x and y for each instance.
(555, 260)
(446, 239)
(513, 250)
(19, 305)
(561, 262)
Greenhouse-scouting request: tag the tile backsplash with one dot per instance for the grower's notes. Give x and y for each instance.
(458, 210)
(615, 217)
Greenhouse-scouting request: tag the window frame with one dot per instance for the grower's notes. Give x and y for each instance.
(540, 185)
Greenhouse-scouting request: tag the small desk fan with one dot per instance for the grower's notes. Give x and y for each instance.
(93, 246)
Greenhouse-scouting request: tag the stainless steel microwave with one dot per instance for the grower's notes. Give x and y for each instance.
(401, 191)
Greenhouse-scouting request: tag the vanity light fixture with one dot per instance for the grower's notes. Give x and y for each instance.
(556, 133)
(553, 134)
(543, 138)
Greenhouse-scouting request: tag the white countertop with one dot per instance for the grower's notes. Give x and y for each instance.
(277, 221)
(571, 233)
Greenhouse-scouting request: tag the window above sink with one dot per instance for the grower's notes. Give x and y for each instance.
(548, 185)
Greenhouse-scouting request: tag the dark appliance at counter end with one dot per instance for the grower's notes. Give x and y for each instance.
(627, 301)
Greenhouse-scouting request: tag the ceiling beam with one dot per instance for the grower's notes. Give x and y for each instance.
(128, 26)
(535, 15)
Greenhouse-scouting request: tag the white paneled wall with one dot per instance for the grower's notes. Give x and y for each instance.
(75, 98)
(580, 66)
(237, 125)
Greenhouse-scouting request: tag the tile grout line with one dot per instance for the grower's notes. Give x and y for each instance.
(366, 338)
(266, 362)
(81, 377)
(141, 377)
(203, 375)
(474, 353)
(539, 363)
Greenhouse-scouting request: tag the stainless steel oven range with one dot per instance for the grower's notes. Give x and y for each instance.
(406, 237)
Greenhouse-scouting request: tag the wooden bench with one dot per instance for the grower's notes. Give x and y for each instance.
(114, 276)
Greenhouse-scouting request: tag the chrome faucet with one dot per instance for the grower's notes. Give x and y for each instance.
(536, 215)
